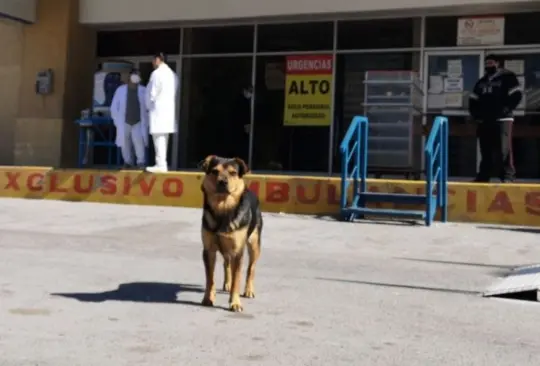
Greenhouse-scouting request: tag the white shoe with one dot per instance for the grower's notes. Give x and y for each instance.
(156, 169)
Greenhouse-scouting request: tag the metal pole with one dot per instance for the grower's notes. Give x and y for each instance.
(253, 96)
(176, 137)
(333, 102)
(424, 82)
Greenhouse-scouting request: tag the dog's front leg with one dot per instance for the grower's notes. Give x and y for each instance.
(227, 280)
(209, 259)
(236, 269)
(209, 255)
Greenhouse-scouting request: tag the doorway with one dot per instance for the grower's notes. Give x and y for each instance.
(526, 133)
(215, 114)
(449, 78)
(144, 65)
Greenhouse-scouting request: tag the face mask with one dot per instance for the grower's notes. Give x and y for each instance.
(490, 70)
(135, 79)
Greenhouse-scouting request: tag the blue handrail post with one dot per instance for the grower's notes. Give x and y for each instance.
(364, 150)
(429, 186)
(356, 158)
(344, 175)
(444, 172)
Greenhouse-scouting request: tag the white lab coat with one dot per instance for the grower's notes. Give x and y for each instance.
(118, 114)
(161, 99)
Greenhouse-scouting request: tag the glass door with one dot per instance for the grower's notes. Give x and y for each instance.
(526, 134)
(449, 78)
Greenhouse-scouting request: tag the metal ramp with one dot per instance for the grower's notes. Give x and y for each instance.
(522, 282)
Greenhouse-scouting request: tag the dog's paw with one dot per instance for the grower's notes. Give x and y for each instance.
(227, 287)
(236, 307)
(250, 294)
(207, 302)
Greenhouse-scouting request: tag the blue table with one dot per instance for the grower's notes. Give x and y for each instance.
(98, 132)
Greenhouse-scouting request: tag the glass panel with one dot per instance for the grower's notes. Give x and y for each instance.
(462, 144)
(441, 31)
(138, 43)
(146, 68)
(278, 147)
(385, 33)
(350, 87)
(232, 39)
(214, 111)
(296, 37)
(526, 128)
(522, 28)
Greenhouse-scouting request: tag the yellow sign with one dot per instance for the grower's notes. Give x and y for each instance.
(517, 204)
(308, 90)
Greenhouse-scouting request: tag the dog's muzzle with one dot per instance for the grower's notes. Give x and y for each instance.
(222, 186)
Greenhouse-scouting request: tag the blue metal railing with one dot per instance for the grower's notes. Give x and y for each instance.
(354, 148)
(436, 160)
(354, 161)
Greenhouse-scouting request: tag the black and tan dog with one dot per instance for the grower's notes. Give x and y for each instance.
(231, 221)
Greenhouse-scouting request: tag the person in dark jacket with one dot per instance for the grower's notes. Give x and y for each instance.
(492, 102)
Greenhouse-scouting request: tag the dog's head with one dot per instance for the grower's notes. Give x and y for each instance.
(223, 178)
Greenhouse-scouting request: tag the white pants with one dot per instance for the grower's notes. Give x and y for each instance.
(161, 142)
(133, 140)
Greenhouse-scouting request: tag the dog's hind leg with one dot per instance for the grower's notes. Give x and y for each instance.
(227, 276)
(254, 251)
(209, 255)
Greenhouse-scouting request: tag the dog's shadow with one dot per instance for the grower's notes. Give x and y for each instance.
(141, 292)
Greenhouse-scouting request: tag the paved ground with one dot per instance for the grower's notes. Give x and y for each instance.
(99, 285)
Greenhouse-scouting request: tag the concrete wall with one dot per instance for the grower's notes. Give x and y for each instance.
(39, 129)
(125, 11)
(24, 10)
(11, 41)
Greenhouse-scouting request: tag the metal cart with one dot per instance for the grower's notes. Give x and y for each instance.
(393, 105)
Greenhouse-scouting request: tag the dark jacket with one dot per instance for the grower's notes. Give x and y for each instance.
(495, 97)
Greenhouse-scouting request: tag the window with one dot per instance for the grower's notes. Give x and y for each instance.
(441, 31)
(350, 76)
(387, 33)
(205, 40)
(214, 111)
(296, 37)
(522, 28)
(138, 42)
(277, 147)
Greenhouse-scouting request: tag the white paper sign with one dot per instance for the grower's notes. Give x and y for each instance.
(523, 103)
(453, 85)
(453, 100)
(436, 101)
(516, 66)
(521, 81)
(435, 84)
(480, 31)
(454, 68)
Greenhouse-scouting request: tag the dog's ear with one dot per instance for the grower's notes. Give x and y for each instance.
(205, 164)
(242, 167)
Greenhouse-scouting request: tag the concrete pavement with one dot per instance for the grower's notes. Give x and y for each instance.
(95, 284)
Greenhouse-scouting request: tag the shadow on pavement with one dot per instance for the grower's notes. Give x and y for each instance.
(377, 221)
(408, 287)
(526, 230)
(468, 264)
(144, 292)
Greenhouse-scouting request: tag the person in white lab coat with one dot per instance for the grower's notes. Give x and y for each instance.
(161, 99)
(130, 116)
